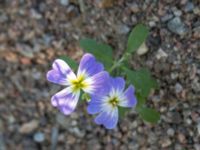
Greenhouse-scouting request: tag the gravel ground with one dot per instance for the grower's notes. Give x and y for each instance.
(34, 33)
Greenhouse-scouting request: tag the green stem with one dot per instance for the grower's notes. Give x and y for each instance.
(119, 62)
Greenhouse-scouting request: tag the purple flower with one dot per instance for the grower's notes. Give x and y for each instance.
(90, 78)
(107, 104)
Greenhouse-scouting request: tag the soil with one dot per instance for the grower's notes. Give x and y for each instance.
(34, 33)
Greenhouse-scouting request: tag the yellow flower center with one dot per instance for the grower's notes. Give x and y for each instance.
(114, 101)
(78, 83)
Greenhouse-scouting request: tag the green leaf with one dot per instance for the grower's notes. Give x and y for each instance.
(149, 115)
(142, 81)
(102, 52)
(73, 64)
(137, 36)
(140, 101)
(123, 111)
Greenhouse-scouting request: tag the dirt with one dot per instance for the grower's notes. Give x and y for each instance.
(34, 33)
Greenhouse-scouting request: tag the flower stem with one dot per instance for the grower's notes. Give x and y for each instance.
(118, 63)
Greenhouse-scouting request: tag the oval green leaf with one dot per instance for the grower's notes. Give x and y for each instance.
(137, 36)
(149, 115)
(142, 80)
(102, 52)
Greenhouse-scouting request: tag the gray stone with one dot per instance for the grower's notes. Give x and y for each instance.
(47, 39)
(188, 121)
(170, 132)
(152, 138)
(134, 8)
(196, 10)
(36, 75)
(152, 23)
(1, 125)
(174, 117)
(93, 144)
(174, 75)
(189, 7)
(25, 50)
(134, 146)
(175, 25)
(3, 18)
(123, 29)
(166, 17)
(198, 128)
(197, 146)
(178, 88)
(64, 2)
(11, 119)
(35, 14)
(2, 143)
(39, 137)
(78, 132)
(177, 13)
(37, 46)
(196, 85)
(134, 19)
(74, 123)
(62, 120)
(54, 138)
(161, 54)
(178, 147)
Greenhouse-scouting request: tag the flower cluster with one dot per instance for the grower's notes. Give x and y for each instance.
(106, 93)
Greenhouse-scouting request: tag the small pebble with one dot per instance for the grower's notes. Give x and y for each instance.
(161, 54)
(134, 19)
(166, 17)
(178, 13)
(178, 147)
(63, 121)
(189, 7)
(35, 14)
(198, 128)
(25, 50)
(64, 2)
(165, 143)
(196, 10)
(152, 23)
(178, 88)
(78, 132)
(197, 146)
(71, 140)
(29, 127)
(175, 25)
(54, 137)
(170, 132)
(181, 138)
(143, 49)
(189, 121)
(39, 137)
(135, 8)
(2, 142)
(122, 29)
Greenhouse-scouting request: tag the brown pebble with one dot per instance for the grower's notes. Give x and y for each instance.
(25, 61)
(10, 57)
(181, 138)
(29, 127)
